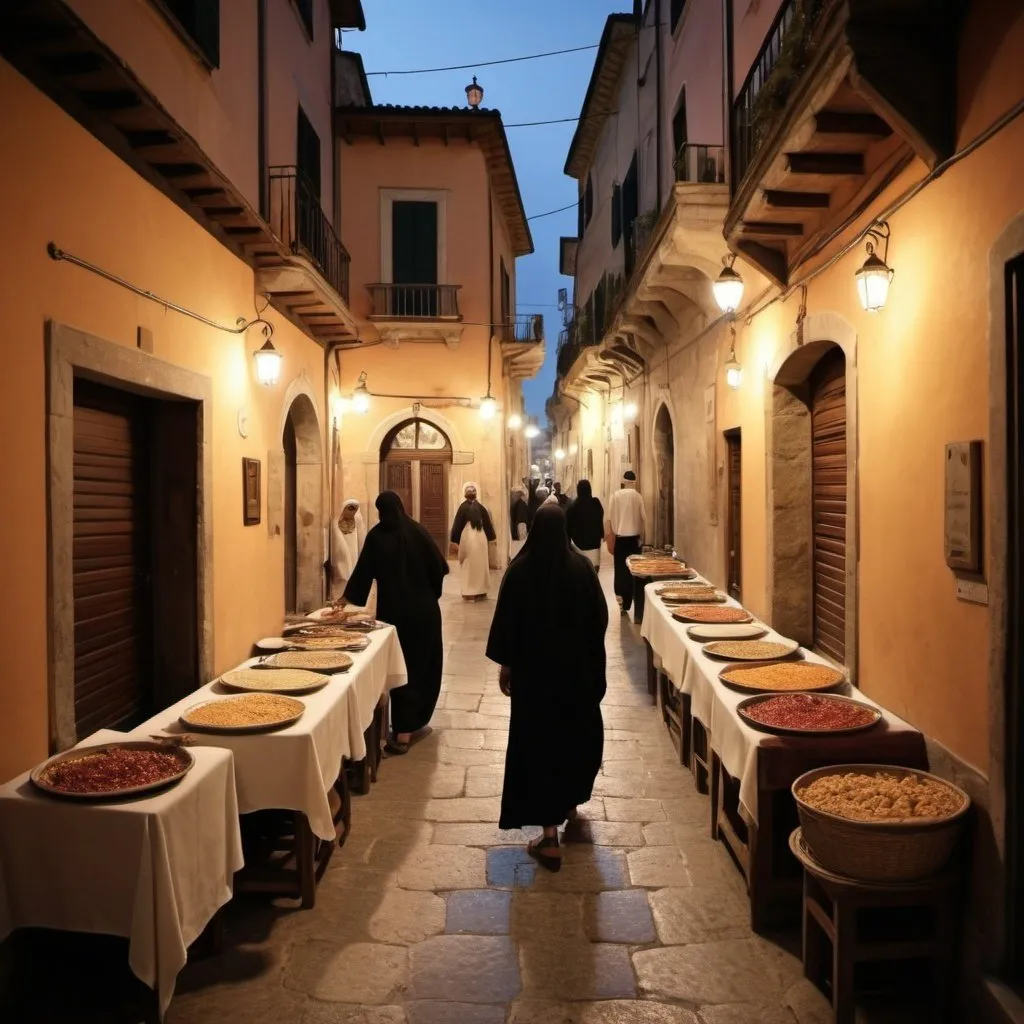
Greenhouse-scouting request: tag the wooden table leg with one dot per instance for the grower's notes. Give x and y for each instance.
(638, 600)
(843, 1002)
(813, 939)
(715, 803)
(686, 725)
(305, 860)
(652, 674)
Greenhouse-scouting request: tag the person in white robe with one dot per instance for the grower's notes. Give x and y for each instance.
(348, 532)
(472, 532)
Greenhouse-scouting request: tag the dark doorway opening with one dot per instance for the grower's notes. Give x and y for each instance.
(291, 573)
(664, 462)
(136, 601)
(734, 512)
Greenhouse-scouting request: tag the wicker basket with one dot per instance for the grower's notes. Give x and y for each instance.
(879, 851)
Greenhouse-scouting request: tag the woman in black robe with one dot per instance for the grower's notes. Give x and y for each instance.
(548, 636)
(585, 522)
(404, 560)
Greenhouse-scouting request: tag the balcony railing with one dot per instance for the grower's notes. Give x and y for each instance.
(298, 220)
(701, 164)
(770, 80)
(525, 328)
(415, 301)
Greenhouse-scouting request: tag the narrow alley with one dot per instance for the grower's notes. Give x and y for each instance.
(431, 915)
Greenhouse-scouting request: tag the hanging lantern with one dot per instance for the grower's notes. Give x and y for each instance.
(728, 288)
(873, 280)
(268, 364)
(515, 421)
(474, 94)
(488, 407)
(733, 370)
(629, 410)
(532, 431)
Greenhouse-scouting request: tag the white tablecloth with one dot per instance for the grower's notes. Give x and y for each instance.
(713, 703)
(153, 870)
(294, 768)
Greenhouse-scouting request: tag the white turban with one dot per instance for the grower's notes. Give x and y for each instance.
(472, 485)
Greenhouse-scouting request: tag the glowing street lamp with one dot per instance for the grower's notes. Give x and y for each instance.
(532, 431)
(559, 454)
(875, 276)
(728, 288)
(268, 364)
(515, 421)
(488, 407)
(361, 396)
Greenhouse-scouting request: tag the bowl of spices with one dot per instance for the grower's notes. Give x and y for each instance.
(880, 823)
(807, 714)
(711, 613)
(244, 712)
(112, 771)
(781, 676)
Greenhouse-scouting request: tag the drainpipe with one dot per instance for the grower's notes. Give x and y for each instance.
(727, 80)
(659, 102)
(261, 104)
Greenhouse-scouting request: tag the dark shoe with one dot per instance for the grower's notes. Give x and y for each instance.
(395, 749)
(540, 849)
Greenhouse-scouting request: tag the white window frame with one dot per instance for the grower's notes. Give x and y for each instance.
(389, 196)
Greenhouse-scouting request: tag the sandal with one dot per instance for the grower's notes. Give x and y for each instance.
(553, 862)
(396, 748)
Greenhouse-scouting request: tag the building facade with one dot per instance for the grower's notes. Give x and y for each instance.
(797, 451)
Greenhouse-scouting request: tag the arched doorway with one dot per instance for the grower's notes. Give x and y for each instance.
(812, 593)
(303, 508)
(664, 464)
(415, 457)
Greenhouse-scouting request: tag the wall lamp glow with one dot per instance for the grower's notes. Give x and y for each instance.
(733, 370)
(515, 421)
(361, 396)
(629, 410)
(573, 449)
(488, 407)
(728, 288)
(532, 430)
(875, 276)
(559, 454)
(268, 362)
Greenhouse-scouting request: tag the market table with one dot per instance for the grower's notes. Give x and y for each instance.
(642, 580)
(751, 771)
(154, 870)
(300, 768)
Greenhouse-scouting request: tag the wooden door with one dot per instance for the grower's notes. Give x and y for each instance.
(291, 526)
(398, 478)
(734, 515)
(433, 514)
(828, 485)
(110, 560)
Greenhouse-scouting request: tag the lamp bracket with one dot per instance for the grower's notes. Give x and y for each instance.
(878, 232)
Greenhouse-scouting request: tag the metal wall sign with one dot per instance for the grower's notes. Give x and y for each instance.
(963, 506)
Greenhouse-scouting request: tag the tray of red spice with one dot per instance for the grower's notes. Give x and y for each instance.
(807, 714)
(112, 771)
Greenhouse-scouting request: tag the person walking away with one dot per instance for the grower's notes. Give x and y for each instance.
(532, 501)
(562, 499)
(548, 637)
(472, 531)
(543, 496)
(519, 521)
(348, 534)
(585, 522)
(410, 570)
(627, 520)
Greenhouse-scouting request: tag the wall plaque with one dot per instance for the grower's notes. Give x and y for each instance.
(963, 506)
(250, 492)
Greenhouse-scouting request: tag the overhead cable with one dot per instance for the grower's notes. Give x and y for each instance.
(484, 63)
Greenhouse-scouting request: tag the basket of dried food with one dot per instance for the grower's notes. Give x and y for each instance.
(880, 823)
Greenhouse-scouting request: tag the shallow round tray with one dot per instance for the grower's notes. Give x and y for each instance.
(756, 631)
(685, 613)
(800, 666)
(273, 643)
(779, 730)
(76, 753)
(273, 680)
(307, 629)
(263, 727)
(706, 595)
(331, 661)
(358, 642)
(791, 653)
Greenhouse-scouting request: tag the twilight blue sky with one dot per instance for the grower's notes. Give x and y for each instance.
(404, 34)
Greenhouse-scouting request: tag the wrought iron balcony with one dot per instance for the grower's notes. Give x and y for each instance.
(415, 301)
(297, 218)
(524, 328)
(697, 163)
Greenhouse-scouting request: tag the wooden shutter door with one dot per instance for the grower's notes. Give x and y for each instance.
(828, 453)
(433, 515)
(414, 257)
(110, 561)
(733, 445)
(398, 478)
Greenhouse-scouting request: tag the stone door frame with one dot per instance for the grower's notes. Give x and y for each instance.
(70, 353)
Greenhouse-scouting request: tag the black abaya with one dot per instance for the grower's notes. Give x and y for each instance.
(404, 560)
(548, 628)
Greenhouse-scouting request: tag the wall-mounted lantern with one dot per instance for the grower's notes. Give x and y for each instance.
(488, 406)
(733, 370)
(875, 276)
(268, 363)
(515, 421)
(361, 396)
(728, 288)
(474, 94)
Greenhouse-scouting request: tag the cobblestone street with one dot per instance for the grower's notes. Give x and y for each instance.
(429, 914)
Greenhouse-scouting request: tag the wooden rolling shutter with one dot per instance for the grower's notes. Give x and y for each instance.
(109, 564)
(432, 510)
(398, 478)
(733, 445)
(828, 439)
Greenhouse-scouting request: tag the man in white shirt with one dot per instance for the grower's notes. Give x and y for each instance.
(626, 521)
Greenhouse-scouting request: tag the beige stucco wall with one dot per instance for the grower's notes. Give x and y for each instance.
(66, 187)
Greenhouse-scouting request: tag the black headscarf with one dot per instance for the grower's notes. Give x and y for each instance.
(585, 518)
(416, 545)
(474, 516)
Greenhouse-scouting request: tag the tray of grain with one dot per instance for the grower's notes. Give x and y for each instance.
(807, 714)
(751, 650)
(273, 680)
(315, 661)
(243, 712)
(727, 631)
(363, 624)
(781, 676)
(696, 595)
(341, 642)
(711, 613)
(880, 823)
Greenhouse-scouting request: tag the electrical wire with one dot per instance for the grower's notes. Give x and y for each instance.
(549, 213)
(563, 120)
(485, 63)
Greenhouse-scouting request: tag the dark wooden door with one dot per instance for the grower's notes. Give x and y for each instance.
(398, 478)
(414, 257)
(734, 559)
(433, 513)
(113, 685)
(828, 484)
(291, 527)
(307, 153)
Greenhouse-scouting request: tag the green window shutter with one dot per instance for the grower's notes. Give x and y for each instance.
(414, 242)
(616, 215)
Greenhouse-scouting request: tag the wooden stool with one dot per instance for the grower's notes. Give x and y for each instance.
(920, 920)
